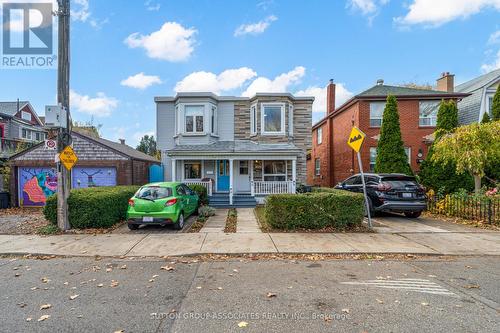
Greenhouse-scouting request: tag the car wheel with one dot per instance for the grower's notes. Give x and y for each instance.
(180, 222)
(133, 226)
(413, 215)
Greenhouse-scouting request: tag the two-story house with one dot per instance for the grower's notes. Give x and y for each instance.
(235, 146)
(18, 123)
(331, 159)
(481, 89)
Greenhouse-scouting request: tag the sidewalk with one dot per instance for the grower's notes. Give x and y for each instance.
(450, 243)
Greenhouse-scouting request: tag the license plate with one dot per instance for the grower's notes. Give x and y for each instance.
(147, 219)
(407, 195)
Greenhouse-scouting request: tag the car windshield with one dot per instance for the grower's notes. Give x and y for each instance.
(154, 192)
(400, 181)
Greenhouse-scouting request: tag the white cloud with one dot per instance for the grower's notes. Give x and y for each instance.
(140, 81)
(494, 37)
(435, 13)
(99, 106)
(319, 94)
(137, 136)
(208, 81)
(255, 28)
(172, 42)
(369, 8)
(151, 6)
(278, 84)
(493, 65)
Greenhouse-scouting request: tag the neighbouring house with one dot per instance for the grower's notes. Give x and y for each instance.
(481, 89)
(100, 163)
(331, 159)
(240, 148)
(19, 123)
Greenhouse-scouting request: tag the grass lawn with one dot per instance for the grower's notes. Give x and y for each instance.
(265, 227)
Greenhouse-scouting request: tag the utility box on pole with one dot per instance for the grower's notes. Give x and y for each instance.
(56, 117)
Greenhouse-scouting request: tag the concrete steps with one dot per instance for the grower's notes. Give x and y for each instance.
(239, 200)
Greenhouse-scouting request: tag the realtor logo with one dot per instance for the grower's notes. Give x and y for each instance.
(27, 35)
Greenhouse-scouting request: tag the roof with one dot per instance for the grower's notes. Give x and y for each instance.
(228, 98)
(381, 91)
(10, 108)
(121, 148)
(478, 82)
(238, 146)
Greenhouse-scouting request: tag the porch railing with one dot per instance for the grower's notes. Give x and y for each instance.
(272, 187)
(207, 184)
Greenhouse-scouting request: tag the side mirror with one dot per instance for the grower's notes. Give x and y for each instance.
(340, 185)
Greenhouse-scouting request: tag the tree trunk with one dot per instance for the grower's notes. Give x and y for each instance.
(477, 183)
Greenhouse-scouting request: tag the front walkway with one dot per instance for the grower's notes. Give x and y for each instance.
(247, 222)
(216, 223)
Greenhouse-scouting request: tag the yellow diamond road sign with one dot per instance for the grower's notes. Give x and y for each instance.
(68, 157)
(356, 139)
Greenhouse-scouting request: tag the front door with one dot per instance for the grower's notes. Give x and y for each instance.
(223, 175)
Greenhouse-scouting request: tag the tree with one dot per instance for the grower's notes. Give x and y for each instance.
(439, 176)
(391, 155)
(148, 145)
(472, 148)
(495, 109)
(486, 118)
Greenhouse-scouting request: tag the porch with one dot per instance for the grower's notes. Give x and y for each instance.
(237, 179)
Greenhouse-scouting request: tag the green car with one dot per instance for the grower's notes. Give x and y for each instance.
(162, 204)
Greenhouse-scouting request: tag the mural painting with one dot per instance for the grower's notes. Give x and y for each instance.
(93, 177)
(36, 185)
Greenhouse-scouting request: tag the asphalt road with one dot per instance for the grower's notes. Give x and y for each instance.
(420, 295)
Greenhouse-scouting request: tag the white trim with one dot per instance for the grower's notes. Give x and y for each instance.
(196, 114)
(290, 119)
(319, 135)
(192, 161)
(253, 119)
(262, 119)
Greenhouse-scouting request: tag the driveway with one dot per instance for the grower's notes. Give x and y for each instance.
(154, 229)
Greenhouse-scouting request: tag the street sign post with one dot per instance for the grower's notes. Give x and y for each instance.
(355, 141)
(50, 144)
(68, 158)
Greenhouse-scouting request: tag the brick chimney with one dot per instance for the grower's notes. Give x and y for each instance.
(330, 97)
(122, 141)
(446, 82)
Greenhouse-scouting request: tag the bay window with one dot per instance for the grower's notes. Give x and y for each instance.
(193, 116)
(273, 118)
(428, 113)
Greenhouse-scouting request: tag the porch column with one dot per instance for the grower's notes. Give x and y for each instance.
(231, 182)
(294, 175)
(174, 167)
(252, 185)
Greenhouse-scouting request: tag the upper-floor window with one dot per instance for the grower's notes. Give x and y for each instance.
(213, 120)
(273, 118)
(319, 135)
(317, 167)
(490, 105)
(253, 119)
(373, 156)
(193, 115)
(376, 113)
(26, 115)
(428, 113)
(26, 134)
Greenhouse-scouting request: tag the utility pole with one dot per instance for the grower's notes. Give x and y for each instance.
(64, 134)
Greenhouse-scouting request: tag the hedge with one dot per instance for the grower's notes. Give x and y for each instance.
(94, 207)
(201, 191)
(323, 208)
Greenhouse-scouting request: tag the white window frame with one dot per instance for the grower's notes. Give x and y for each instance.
(373, 152)
(264, 174)
(253, 119)
(489, 104)
(213, 119)
(408, 154)
(29, 133)
(200, 113)
(262, 119)
(202, 169)
(319, 135)
(25, 115)
(290, 119)
(377, 118)
(317, 166)
(433, 120)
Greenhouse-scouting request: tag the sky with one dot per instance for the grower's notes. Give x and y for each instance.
(124, 53)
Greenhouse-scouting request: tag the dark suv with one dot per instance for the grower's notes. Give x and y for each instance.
(389, 192)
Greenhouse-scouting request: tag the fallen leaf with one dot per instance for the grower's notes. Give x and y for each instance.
(120, 331)
(34, 288)
(235, 270)
(72, 297)
(44, 317)
(66, 283)
(114, 283)
(123, 267)
(219, 288)
(100, 285)
(22, 305)
(472, 286)
(198, 287)
(155, 276)
(269, 295)
(345, 310)
(109, 270)
(45, 306)
(167, 268)
(29, 319)
(242, 324)
(151, 280)
(17, 275)
(424, 304)
(380, 301)
(45, 280)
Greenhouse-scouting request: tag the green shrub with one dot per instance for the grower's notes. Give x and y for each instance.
(95, 207)
(323, 208)
(201, 191)
(206, 211)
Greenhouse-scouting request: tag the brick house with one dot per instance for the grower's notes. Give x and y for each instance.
(331, 160)
(100, 163)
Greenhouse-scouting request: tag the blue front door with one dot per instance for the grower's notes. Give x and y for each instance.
(222, 175)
